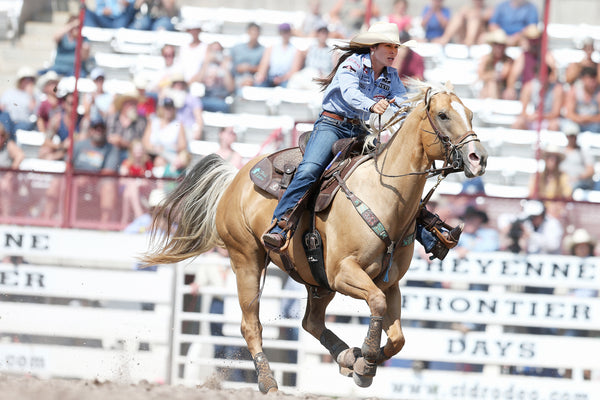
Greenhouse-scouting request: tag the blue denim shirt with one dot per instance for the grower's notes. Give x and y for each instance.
(354, 89)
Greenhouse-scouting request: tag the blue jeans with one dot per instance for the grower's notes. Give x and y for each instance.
(317, 157)
(112, 22)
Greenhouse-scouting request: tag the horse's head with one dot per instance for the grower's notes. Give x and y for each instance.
(447, 131)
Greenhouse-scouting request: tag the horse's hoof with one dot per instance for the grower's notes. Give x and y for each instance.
(267, 384)
(348, 357)
(362, 381)
(364, 368)
(345, 371)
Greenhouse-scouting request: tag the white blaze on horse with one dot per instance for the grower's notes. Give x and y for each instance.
(215, 205)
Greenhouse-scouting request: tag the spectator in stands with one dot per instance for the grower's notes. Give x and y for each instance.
(95, 154)
(146, 102)
(552, 183)
(111, 14)
(227, 137)
(528, 64)
(215, 75)
(468, 25)
(135, 170)
(312, 21)
(189, 108)
(408, 62)
(66, 43)
(434, 19)
(573, 70)
(245, 57)
(57, 141)
(581, 244)
(97, 103)
(165, 140)
(476, 235)
(275, 67)
(143, 223)
(315, 62)
(351, 14)
(582, 103)
(513, 16)
(191, 56)
(124, 124)
(20, 102)
(578, 163)
(92, 153)
(494, 68)
(536, 232)
(11, 156)
(400, 16)
(155, 15)
(49, 103)
(162, 79)
(530, 99)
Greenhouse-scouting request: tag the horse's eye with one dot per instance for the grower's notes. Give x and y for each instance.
(443, 116)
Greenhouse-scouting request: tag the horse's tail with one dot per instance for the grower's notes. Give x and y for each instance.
(184, 225)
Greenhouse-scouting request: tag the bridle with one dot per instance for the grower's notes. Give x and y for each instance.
(453, 159)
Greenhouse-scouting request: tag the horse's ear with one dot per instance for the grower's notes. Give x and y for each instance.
(449, 86)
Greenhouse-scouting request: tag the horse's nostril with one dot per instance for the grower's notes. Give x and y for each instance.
(474, 157)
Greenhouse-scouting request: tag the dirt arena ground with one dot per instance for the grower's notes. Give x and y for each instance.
(29, 388)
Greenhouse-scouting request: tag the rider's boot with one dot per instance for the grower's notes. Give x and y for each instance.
(448, 236)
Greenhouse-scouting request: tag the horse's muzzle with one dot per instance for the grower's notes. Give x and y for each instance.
(474, 158)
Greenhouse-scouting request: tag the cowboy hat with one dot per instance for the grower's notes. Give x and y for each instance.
(26, 72)
(532, 32)
(554, 150)
(473, 212)
(497, 36)
(380, 32)
(580, 236)
(121, 99)
(48, 77)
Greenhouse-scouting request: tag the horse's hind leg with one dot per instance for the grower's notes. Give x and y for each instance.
(248, 273)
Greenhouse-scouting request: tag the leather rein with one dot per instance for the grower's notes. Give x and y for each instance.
(453, 159)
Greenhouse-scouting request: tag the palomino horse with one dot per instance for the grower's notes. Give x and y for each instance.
(217, 205)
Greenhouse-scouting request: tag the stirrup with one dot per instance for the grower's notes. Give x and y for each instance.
(448, 238)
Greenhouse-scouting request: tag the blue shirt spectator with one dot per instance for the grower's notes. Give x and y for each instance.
(434, 19)
(513, 16)
(112, 14)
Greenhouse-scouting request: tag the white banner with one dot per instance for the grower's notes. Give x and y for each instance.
(510, 269)
(72, 246)
(399, 383)
(480, 307)
(90, 283)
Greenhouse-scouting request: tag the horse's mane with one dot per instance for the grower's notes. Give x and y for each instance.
(417, 90)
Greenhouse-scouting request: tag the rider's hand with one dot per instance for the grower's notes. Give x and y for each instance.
(380, 106)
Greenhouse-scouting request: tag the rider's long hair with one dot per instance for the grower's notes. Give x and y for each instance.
(347, 51)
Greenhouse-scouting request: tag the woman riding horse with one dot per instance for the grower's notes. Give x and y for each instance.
(362, 82)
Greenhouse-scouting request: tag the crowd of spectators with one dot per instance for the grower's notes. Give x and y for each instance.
(164, 112)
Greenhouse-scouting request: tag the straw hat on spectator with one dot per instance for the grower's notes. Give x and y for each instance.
(47, 78)
(380, 32)
(497, 36)
(580, 236)
(189, 25)
(554, 150)
(532, 32)
(121, 99)
(156, 197)
(25, 72)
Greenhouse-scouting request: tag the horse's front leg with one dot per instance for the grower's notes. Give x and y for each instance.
(392, 325)
(353, 281)
(314, 323)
